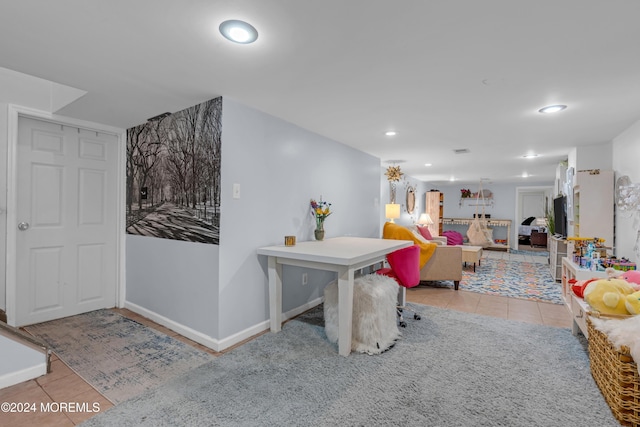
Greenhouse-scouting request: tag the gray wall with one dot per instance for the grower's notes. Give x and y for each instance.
(280, 167)
(401, 197)
(175, 279)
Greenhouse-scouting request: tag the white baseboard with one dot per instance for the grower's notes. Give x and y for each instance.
(263, 326)
(183, 330)
(212, 343)
(23, 375)
(297, 311)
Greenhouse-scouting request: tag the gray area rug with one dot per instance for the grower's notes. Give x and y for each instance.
(448, 369)
(119, 357)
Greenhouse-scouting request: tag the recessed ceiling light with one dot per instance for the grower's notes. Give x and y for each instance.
(391, 133)
(427, 164)
(552, 109)
(238, 31)
(530, 156)
(525, 175)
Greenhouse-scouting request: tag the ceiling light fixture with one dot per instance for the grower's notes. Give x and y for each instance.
(428, 164)
(552, 109)
(530, 156)
(391, 133)
(238, 31)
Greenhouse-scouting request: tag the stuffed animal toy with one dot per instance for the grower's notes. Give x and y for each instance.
(578, 286)
(633, 303)
(608, 296)
(631, 276)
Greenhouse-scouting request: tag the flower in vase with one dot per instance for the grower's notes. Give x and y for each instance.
(320, 210)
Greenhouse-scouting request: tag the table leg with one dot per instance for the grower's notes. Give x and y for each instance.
(275, 294)
(402, 296)
(345, 310)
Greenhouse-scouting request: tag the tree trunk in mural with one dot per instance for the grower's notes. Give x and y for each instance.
(173, 173)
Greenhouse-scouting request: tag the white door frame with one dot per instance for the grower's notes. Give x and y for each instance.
(14, 112)
(547, 189)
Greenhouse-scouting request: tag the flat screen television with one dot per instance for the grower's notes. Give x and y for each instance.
(560, 215)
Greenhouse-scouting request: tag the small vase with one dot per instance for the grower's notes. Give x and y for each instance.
(319, 233)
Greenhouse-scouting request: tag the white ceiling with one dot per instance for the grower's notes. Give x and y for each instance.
(444, 74)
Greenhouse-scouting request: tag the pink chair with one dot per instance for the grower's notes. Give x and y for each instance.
(404, 268)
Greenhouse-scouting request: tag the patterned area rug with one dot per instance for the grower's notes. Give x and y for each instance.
(524, 280)
(119, 357)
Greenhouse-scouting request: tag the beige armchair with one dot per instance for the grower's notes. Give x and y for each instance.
(445, 262)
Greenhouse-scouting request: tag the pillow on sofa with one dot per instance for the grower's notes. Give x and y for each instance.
(416, 233)
(418, 236)
(425, 232)
(453, 237)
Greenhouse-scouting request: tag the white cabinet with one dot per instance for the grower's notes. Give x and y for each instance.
(557, 251)
(593, 205)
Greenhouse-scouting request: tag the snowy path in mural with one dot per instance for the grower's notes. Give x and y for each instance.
(170, 221)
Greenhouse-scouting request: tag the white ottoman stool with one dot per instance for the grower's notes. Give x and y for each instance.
(471, 254)
(375, 327)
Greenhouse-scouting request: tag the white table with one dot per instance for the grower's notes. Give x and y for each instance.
(343, 255)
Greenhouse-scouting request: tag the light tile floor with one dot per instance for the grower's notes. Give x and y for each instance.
(491, 305)
(62, 385)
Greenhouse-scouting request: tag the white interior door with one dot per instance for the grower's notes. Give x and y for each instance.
(66, 254)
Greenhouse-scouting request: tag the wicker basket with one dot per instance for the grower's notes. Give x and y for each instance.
(616, 374)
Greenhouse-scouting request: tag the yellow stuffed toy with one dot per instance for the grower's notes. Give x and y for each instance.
(633, 303)
(608, 296)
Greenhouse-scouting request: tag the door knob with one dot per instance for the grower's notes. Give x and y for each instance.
(23, 226)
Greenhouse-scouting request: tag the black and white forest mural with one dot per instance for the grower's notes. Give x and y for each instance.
(173, 175)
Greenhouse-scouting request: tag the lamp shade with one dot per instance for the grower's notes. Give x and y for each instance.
(392, 211)
(425, 219)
